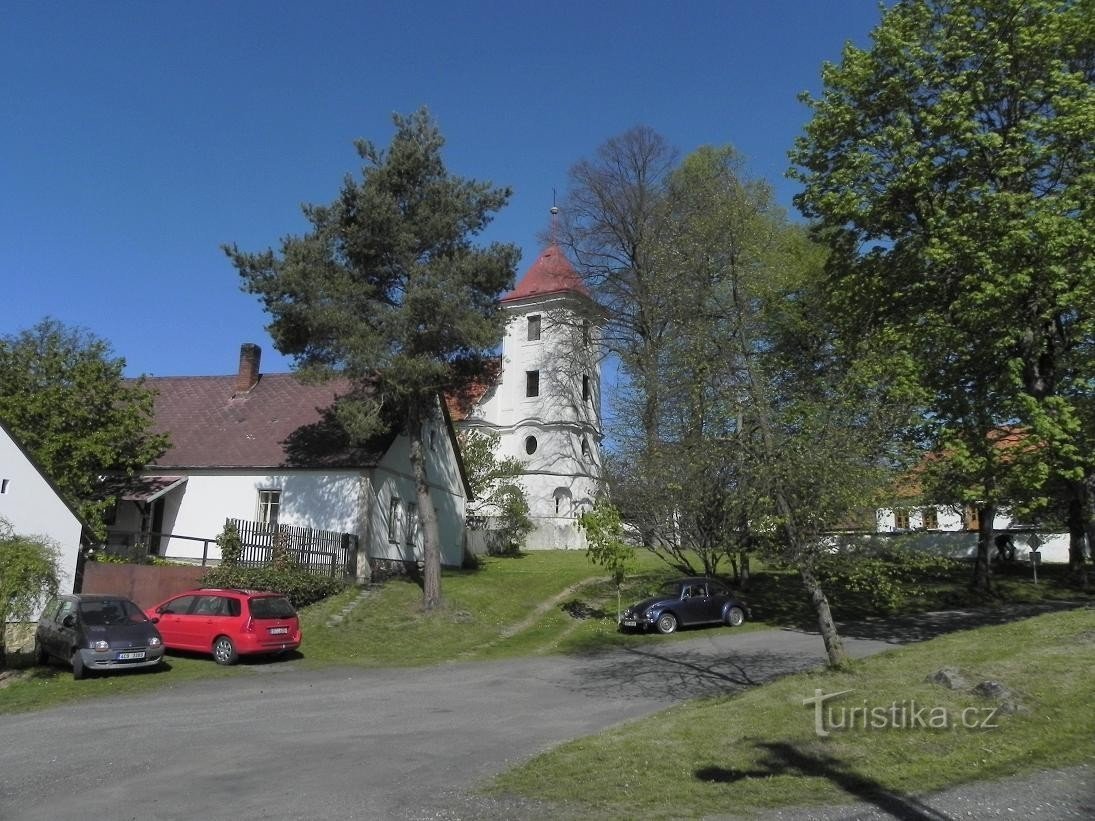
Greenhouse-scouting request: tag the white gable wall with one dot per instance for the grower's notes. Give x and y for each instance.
(393, 479)
(33, 508)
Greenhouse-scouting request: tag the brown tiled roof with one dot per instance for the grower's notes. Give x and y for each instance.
(460, 402)
(280, 422)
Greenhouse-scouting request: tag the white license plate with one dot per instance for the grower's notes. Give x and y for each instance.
(130, 656)
(630, 623)
(277, 631)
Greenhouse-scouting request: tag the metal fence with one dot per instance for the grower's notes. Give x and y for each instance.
(323, 552)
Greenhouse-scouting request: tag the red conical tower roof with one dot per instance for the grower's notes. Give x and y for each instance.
(551, 273)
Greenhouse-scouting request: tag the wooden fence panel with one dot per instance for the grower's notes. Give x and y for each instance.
(323, 552)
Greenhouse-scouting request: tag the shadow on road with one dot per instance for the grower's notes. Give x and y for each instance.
(781, 758)
(639, 673)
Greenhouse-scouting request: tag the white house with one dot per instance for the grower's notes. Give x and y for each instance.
(545, 405)
(262, 448)
(953, 531)
(31, 503)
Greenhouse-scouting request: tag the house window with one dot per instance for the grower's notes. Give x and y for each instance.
(412, 523)
(269, 505)
(532, 383)
(534, 328)
(394, 509)
(901, 519)
(930, 518)
(4, 485)
(585, 388)
(530, 445)
(973, 519)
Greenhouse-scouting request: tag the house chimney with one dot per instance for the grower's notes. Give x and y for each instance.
(248, 375)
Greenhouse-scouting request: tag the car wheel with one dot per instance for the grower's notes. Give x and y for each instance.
(78, 669)
(735, 616)
(666, 624)
(224, 651)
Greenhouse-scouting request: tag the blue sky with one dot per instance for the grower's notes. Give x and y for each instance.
(137, 138)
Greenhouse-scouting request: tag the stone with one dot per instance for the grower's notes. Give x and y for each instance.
(948, 677)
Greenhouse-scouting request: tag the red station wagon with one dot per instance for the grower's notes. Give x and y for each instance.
(227, 623)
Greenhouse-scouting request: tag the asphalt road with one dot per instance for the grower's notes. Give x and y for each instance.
(285, 743)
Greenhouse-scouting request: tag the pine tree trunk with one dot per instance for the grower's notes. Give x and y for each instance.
(982, 581)
(427, 516)
(834, 647)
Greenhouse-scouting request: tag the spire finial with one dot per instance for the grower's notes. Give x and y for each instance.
(554, 213)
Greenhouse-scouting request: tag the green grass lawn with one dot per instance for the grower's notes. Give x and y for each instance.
(760, 749)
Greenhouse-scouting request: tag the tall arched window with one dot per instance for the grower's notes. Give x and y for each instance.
(563, 502)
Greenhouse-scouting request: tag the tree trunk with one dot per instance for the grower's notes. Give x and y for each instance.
(834, 647)
(1077, 534)
(982, 581)
(744, 569)
(427, 516)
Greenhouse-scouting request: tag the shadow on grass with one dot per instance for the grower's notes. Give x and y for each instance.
(923, 626)
(782, 758)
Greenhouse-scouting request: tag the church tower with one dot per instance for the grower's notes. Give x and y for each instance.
(545, 406)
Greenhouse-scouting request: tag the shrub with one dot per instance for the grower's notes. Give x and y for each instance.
(300, 587)
(230, 544)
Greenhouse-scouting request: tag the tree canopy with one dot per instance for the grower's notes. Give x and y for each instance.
(63, 393)
(950, 169)
(388, 289)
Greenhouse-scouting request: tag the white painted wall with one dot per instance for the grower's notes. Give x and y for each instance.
(393, 479)
(33, 508)
(559, 418)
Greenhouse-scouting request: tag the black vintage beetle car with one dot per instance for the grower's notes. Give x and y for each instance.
(684, 602)
(97, 632)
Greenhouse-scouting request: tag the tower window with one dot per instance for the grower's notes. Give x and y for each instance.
(532, 383)
(586, 335)
(585, 448)
(530, 445)
(585, 388)
(534, 328)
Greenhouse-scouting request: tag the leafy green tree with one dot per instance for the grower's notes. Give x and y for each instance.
(759, 377)
(607, 547)
(29, 573)
(388, 289)
(500, 504)
(950, 169)
(63, 394)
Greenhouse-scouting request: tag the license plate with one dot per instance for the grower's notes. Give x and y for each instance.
(277, 631)
(630, 623)
(130, 656)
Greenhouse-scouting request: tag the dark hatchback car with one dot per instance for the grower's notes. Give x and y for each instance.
(97, 632)
(685, 602)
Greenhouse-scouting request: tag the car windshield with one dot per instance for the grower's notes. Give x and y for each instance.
(100, 612)
(271, 607)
